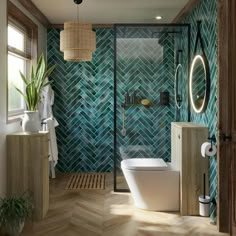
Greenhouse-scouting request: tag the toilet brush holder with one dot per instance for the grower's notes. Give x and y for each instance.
(204, 205)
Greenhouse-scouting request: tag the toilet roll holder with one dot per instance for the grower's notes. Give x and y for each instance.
(213, 140)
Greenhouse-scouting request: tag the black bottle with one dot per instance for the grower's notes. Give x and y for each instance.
(134, 98)
(127, 98)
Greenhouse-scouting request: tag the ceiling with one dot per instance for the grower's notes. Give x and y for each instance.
(110, 11)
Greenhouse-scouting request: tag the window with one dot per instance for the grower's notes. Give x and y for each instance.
(16, 63)
(22, 49)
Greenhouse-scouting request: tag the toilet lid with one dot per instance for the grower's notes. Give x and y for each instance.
(144, 164)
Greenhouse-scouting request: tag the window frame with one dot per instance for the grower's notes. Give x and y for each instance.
(17, 112)
(19, 20)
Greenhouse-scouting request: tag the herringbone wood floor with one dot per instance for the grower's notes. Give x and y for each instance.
(103, 212)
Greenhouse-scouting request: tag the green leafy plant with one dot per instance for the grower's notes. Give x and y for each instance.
(15, 210)
(35, 83)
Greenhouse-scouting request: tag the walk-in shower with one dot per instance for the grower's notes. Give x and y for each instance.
(144, 91)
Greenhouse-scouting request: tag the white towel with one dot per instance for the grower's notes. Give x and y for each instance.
(53, 151)
(47, 100)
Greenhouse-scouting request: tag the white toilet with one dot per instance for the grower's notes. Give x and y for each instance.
(154, 184)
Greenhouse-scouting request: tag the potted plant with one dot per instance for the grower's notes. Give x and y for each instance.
(31, 95)
(13, 213)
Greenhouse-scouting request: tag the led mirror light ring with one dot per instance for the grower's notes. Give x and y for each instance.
(207, 82)
(179, 67)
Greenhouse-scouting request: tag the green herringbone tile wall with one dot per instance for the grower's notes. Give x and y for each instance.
(84, 99)
(207, 13)
(84, 106)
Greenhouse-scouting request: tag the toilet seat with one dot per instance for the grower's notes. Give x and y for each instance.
(145, 164)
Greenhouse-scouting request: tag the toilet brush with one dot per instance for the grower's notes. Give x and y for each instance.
(204, 200)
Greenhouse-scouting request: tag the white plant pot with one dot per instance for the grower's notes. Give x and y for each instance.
(31, 122)
(13, 231)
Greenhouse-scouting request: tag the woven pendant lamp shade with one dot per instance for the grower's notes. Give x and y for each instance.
(77, 41)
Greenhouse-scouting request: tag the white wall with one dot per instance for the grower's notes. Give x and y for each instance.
(4, 127)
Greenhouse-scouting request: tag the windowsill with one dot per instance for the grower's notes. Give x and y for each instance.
(13, 119)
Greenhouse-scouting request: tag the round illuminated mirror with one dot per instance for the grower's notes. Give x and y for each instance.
(179, 86)
(199, 83)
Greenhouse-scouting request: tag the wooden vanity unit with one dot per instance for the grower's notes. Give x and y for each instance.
(186, 141)
(27, 169)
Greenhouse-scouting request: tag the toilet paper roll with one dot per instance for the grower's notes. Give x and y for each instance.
(208, 150)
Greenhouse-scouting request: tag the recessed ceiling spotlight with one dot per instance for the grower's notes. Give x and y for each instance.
(159, 17)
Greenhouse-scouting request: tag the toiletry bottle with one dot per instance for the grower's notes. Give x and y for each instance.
(127, 98)
(134, 98)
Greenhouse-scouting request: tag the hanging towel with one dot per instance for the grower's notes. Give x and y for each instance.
(53, 152)
(49, 122)
(47, 100)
